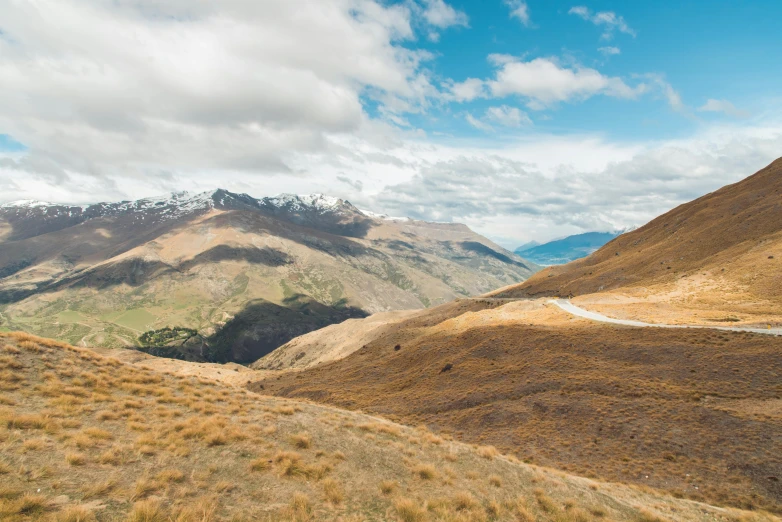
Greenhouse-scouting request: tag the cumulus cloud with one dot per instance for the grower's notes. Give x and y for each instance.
(609, 20)
(545, 82)
(723, 106)
(490, 189)
(503, 115)
(508, 116)
(135, 88)
(442, 15)
(609, 50)
(465, 91)
(519, 10)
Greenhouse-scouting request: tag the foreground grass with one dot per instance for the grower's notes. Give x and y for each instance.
(85, 437)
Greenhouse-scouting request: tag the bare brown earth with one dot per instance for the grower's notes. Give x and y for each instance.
(696, 413)
(87, 438)
(715, 260)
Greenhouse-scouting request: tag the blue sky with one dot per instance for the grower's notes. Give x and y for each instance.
(720, 50)
(525, 120)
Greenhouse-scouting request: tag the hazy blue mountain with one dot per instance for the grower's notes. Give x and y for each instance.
(565, 250)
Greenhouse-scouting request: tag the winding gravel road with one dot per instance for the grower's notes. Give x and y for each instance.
(569, 307)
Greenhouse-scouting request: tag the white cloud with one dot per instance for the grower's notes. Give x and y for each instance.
(442, 15)
(138, 88)
(671, 95)
(609, 20)
(723, 106)
(549, 186)
(503, 115)
(519, 10)
(546, 82)
(465, 91)
(125, 99)
(478, 124)
(508, 116)
(609, 50)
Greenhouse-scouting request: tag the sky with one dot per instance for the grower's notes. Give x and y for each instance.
(526, 120)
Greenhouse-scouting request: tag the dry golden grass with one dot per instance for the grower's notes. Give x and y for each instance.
(388, 486)
(333, 491)
(408, 510)
(594, 400)
(301, 440)
(488, 452)
(93, 459)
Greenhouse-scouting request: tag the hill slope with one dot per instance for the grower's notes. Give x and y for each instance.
(696, 413)
(718, 256)
(247, 274)
(565, 250)
(87, 438)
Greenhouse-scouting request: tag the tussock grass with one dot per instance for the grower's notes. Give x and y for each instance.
(408, 510)
(425, 471)
(301, 440)
(333, 491)
(388, 487)
(108, 441)
(75, 514)
(75, 459)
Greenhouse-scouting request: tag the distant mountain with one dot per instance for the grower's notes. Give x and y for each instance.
(527, 246)
(565, 250)
(232, 277)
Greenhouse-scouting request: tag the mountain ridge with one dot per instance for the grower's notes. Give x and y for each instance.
(213, 261)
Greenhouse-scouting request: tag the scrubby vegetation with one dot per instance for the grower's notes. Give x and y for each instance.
(164, 336)
(88, 438)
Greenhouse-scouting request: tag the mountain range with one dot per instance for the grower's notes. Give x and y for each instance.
(565, 250)
(220, 276)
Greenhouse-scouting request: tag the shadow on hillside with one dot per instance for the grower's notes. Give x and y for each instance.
(317, 238)
(133, 272)
(257, 256)
(480, 248)
(262, 326)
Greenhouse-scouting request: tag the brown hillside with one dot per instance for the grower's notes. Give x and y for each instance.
(245, 275)
(87, 438)
(698, 413)
(720, 252)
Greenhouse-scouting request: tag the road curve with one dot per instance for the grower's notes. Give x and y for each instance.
(570, 308)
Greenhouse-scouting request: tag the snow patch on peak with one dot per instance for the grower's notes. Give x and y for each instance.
(26, 203)
(298, 202)
(384, 217)
(177, 203)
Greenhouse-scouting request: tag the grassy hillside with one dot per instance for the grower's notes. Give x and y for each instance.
(718, 257)
(697, 413)
(86, 437)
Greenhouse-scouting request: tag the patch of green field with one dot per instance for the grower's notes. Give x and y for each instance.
(70, 316)
(138, 319)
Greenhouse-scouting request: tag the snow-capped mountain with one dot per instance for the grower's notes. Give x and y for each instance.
(250, 273)
(323, 212)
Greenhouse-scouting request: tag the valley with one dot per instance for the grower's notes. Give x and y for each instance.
(588, 387)
(525, 379)
(390, 261)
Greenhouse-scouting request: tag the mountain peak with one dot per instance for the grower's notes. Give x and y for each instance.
(26, 203)
(316, 201)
